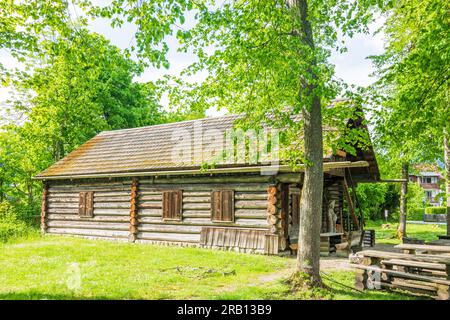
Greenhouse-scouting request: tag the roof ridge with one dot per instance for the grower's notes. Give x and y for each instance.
(194, 120)
(168, 124)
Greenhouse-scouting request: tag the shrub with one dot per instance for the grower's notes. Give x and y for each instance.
(28, 213)
(436, 210)
(415, 214)
(10, 225)
(372, 199)
(415, 195)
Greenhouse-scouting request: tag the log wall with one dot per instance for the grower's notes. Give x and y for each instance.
(111, 217)
(250, 207)
(132, 209)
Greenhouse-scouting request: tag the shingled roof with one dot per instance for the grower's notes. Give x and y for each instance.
(145, 149)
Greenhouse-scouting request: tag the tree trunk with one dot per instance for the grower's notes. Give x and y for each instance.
(401, 231)
(308, 257)
(447, 176)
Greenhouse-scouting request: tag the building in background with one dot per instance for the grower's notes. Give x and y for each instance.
(430, 179)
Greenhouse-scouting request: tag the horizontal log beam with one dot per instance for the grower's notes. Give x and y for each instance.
(248, 169)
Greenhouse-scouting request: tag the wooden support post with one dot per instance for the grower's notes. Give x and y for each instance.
(134, 210)
(361, 278)
(364, 279)
(443, 292)
(284, 213)
(272, 207)
(273, 215)
(351, 206)
(44, 208)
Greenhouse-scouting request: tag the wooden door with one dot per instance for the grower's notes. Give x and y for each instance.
(294, 211)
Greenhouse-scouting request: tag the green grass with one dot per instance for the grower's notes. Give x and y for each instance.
(73, 268)
(386, 235)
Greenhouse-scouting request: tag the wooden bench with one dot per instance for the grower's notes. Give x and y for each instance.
(416, 248)
(327, 243)
(353, 244)
(375, 256)
(412, 241)
(419, 273)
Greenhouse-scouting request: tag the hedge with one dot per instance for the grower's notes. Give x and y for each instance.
(436, 210)
(415, 214)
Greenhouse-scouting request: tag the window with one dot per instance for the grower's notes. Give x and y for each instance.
(429, 194)
(172, 204)
(86, 204)
(222, 206)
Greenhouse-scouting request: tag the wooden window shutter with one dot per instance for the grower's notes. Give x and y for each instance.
(295, 209)
(222, 205)
(177, 200)
(216, 210)
(89, 204)
(82, 204)
(228, 205)
(172, 204)
(86, 204)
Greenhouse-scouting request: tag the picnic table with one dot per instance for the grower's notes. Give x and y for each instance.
(423, 269)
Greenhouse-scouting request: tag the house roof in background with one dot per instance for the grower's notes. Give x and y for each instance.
(428, 170)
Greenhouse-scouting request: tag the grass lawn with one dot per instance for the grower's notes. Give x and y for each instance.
(386, 235)
(72, 268)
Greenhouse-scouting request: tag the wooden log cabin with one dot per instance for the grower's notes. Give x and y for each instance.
(150, 185)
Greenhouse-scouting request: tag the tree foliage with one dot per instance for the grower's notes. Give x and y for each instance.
(82, 85)
(414, 80)
(86, 86)
(265, 59)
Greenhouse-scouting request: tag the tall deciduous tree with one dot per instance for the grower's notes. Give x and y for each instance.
(415, 76)
(82, 85)
(25, 24)
(263, 58)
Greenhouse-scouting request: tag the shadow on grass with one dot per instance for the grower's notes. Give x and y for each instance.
(375, 295)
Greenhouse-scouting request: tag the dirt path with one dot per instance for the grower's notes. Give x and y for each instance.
(326, 264)
(332, 263)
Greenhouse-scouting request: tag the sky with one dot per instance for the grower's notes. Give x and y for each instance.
(353, 66)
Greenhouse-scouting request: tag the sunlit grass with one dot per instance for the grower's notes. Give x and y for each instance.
(386, 234)
(72, 268)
